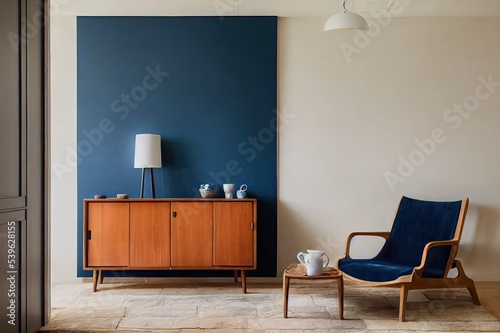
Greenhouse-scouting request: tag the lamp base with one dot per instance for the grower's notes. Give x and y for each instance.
(152, 182)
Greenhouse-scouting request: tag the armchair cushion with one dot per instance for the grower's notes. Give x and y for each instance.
(373, 269)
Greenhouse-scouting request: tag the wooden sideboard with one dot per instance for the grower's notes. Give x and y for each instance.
(170, 234)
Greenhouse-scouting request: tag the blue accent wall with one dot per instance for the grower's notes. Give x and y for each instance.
(207, 85)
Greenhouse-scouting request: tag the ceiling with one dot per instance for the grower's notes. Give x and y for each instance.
(282, 8)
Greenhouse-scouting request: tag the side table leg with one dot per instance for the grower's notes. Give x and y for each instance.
(235, 276)
(244, 281)
(340, 283)
(286, 285)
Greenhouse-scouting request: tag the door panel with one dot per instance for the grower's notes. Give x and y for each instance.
(150, 234)
(22, 203)
(108, 244)
(12, 108)
(12, 275)
(233, 234)
(192, 234)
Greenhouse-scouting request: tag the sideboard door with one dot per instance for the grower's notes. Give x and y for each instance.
(108, 235)
(150, 234)
(234, 228)
(191, 234)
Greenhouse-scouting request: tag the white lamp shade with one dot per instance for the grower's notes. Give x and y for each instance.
(346, 20)
(147, 151)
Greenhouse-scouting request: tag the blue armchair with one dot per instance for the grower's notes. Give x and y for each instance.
(418, 252)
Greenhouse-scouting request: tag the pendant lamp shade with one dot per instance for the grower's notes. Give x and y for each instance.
(147, 151)
(346, 20)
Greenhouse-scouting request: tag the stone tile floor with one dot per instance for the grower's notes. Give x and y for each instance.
(221, 307)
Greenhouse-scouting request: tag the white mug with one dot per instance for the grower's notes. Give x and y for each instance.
(242, 192)
(316, 253)
(314, 266)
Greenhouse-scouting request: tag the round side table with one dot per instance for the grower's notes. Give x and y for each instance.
(298, 271)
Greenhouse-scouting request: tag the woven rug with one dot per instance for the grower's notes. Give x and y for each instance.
(221, 307)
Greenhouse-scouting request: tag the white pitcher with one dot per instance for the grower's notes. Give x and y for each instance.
(314, 261)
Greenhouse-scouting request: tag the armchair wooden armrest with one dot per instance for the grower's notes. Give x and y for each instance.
(383, 234)
(454, 248)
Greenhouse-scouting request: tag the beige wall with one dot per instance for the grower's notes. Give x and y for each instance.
(353, 121)
(346, 123)
(63, 189)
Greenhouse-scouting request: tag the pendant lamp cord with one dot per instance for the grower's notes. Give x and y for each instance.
(237, 7)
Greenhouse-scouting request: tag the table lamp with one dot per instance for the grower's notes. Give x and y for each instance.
(147, 156)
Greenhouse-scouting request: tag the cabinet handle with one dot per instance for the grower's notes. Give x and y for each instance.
(251, 226)
(89, 234)
(174, 214)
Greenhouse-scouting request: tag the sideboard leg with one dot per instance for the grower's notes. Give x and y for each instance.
(244, 281)
(235, 276)
(94, 279)
(101, 276)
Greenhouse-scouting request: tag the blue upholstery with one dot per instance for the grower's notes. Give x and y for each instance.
(417, 223)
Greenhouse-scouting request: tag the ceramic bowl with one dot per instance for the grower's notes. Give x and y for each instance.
(208, 193)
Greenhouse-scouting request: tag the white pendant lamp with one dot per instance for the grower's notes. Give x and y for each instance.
(346, 20)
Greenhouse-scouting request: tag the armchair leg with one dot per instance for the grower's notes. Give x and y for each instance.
(473, 293)
(402, 302)
(465, 281)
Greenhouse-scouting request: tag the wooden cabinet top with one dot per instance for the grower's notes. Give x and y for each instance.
(171, 199)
